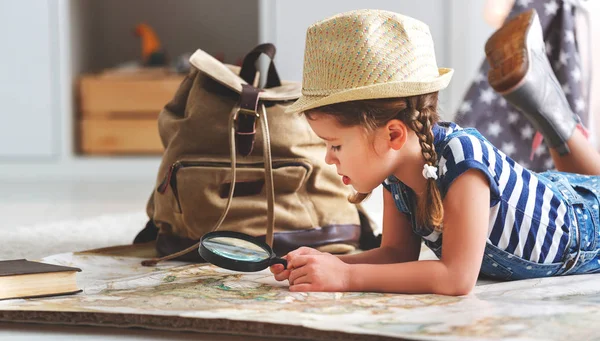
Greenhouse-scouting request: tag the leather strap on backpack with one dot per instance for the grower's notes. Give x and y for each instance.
(246, 124)
(249, 105)
(248, 71)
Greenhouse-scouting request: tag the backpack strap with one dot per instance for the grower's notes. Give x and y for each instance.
(250, 105)
(245, 122)
(268, 176)
(248, 71)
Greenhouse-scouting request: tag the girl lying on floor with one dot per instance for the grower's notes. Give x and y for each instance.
(370, 90)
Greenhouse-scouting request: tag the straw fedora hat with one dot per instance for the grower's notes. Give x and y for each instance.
(368, 54)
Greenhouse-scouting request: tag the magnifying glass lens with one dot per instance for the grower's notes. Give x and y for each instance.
(237, 249)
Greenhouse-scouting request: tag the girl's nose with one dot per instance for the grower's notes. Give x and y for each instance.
(329, 158)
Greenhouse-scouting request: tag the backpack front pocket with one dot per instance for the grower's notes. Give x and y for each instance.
(200, 188)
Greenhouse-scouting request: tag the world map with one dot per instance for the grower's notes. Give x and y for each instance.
(541, 309)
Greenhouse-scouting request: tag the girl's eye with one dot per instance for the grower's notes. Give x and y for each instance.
(336, 148)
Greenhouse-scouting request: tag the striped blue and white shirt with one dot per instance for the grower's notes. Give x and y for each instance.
(529, 218)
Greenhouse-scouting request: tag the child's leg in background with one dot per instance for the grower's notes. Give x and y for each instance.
(521, 72)
(582, 158)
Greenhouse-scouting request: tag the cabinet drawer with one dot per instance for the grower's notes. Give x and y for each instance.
(124, 95)
(100, 136)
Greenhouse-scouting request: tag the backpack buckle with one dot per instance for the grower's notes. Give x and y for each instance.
(245, 111)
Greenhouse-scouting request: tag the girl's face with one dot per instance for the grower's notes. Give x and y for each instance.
(363, 161)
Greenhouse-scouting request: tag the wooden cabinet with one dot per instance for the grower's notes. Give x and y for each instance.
(118, 113)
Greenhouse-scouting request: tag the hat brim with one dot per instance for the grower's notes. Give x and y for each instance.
(375, 91)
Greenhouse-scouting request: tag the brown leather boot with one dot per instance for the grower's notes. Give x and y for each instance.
(521, 72)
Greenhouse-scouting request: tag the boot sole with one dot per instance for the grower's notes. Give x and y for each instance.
(507, 54)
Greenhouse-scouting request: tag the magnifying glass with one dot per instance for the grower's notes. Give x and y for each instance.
(237, 251)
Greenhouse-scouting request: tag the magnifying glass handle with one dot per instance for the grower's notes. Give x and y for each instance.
(279, 261)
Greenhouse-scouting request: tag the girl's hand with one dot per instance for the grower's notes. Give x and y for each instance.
(282, 274)
(318, 272)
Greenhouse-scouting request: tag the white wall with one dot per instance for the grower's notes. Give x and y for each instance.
(588, 27)
(290, 19)
(28, 82)
(467, 34)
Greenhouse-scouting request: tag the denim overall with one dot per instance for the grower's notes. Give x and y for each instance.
(582, 255)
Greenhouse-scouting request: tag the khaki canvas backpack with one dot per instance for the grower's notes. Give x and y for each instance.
(220, 171)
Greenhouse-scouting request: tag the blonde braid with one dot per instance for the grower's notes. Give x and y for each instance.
(430, 210)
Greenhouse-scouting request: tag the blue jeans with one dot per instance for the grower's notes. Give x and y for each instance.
(582, 193)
